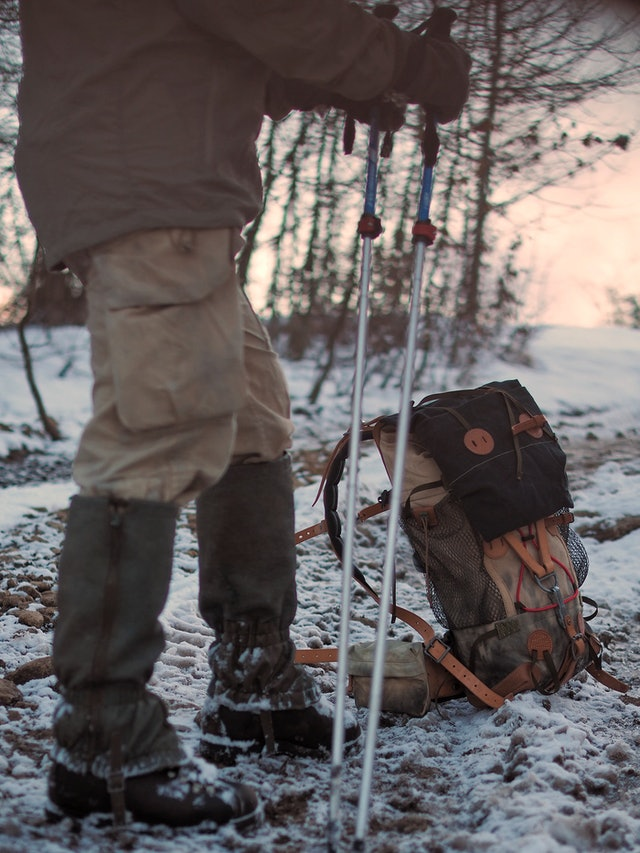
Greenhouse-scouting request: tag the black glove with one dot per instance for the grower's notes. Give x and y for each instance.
(436, 69)
(388, 109)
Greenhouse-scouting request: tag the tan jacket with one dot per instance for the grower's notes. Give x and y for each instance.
(140, 114)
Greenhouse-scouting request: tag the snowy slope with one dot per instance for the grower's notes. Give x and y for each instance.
(542, 774)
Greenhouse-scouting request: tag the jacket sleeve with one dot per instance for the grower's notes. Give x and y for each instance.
(333, 44)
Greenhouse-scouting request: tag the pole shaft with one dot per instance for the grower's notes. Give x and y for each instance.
(337, 745)
(389, 562)
(402, 435)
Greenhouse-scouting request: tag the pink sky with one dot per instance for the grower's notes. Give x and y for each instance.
(585, 237)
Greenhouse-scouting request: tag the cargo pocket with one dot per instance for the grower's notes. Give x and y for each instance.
(173, 364)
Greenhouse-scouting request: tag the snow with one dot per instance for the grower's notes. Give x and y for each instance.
(541, 774)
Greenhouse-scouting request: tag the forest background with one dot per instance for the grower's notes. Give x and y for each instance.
(549, 137)
(554, 107)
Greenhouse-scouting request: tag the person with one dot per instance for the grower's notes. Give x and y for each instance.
(137, 162)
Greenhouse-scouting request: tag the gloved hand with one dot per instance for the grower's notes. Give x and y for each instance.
(298, 95)
(431, 70)
(435, 75)
(388, 110)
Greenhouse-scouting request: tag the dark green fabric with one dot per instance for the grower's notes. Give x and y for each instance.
(247, 553)
(253, 669)
(115, 570)
(247, 588)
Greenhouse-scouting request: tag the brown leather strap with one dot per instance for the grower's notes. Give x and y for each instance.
(518, 680)
(543, 545)
(321, 527)
(310, 532)
(336, 451)
(441, 653)
(535, 422)
(315, 656)
(437, 650)
(513, 540)
(576, 636)
(561, 518)
(595, 667)
(607, 679)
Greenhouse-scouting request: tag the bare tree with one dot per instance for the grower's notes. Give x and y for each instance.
(22, 268)
(13, 226)
(535, 63)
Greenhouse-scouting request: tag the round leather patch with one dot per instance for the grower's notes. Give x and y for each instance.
(496, 548)
(479, 441)
(538, 643)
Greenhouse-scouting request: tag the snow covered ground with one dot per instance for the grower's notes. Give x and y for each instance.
(540, 775)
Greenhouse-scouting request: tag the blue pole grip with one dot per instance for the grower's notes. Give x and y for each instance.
(424, 203)
(371, 186)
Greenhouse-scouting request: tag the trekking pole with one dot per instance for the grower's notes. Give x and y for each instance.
(423, 236)
(369, 228)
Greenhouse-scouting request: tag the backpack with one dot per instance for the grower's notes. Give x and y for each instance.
(487, 510)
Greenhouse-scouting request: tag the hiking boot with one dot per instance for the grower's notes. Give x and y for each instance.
(178, 796)
(229, 732)
(259, 699)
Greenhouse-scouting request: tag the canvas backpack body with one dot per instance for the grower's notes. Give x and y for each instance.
(486, 507)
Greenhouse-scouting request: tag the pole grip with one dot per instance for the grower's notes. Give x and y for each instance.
(440, 22)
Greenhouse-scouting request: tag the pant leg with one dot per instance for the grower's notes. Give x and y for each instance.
(181, 367)
(264, 426)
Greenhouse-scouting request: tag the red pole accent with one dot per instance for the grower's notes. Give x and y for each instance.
(424, 231)
(369, 226)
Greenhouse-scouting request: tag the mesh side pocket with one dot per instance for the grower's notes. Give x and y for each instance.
(577, 551)
(460, 591)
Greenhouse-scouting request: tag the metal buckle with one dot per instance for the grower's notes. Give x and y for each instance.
(427, 649)
(554, 592)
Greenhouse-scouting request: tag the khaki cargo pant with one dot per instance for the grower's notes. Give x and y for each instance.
(185, 378)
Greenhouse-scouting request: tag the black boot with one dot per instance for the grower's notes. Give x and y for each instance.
(174, 797)
(114, 747)
(258, 697)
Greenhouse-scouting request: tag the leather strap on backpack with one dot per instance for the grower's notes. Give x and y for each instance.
(595, 669)
(436, 649)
